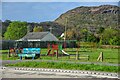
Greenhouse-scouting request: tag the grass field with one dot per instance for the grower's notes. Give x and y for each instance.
(62, 65)
(2, 51)
(110, 55)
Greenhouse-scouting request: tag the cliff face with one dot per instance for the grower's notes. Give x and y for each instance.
(91, 18)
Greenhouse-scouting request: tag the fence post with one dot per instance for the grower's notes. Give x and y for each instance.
(57, 54)
(77, 55)
(100, 57)
(69, 56)
(8, 53)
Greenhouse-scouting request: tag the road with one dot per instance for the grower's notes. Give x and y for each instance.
(12, 72)
(15, 72)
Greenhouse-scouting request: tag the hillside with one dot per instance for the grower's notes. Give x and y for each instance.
(87, 24)
(91, 18)
(57, 29)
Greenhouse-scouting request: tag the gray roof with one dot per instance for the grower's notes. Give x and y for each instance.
(35, 35)
(41, 36)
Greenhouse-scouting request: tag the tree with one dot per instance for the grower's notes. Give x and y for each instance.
(5, 24)
(16, 30)
(70, 34)
(91, 37)
(101, 30)
(29, 28)
(35, 29)
(110, 36)
(38, 29)
(84, 34)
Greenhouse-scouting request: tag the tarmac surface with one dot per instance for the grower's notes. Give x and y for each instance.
(19, 72)
(12, 72)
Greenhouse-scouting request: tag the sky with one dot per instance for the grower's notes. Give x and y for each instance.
(41, 11)
(60, 0)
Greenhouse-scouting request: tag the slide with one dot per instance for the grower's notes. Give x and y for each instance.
(64, 52)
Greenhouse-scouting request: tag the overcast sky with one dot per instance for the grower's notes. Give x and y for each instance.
(41, 11)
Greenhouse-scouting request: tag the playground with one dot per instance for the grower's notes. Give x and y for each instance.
(55, 56)
(83, 53)
(48, 60)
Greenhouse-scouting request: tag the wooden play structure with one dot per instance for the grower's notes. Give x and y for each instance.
(55, 48)
(14, 52)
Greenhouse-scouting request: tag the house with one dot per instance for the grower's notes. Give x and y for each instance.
(39, 36)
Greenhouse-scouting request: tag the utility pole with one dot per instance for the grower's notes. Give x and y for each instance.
(65, 33)
(65, 30)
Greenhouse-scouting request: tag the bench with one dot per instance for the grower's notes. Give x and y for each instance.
(29, 52)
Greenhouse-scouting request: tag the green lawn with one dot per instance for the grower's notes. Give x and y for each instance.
(2, 51)
(110, 55)
(63, 65)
